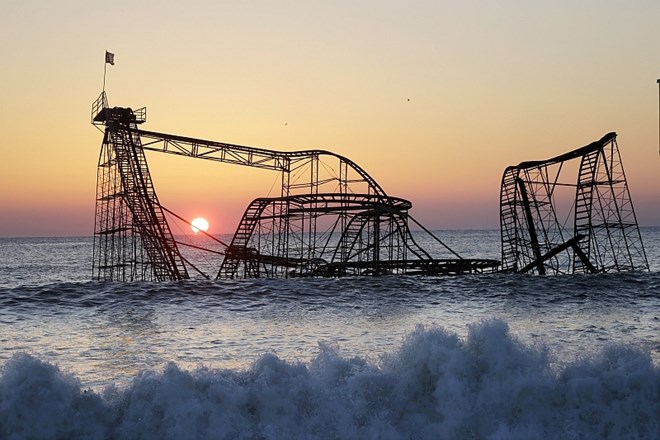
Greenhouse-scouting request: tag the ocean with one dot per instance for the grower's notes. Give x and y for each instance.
(491, 356)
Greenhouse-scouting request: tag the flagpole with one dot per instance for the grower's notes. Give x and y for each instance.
(105, 67)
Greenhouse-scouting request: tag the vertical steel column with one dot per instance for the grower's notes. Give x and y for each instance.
(530, 226)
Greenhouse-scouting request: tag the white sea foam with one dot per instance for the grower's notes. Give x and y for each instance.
(435, 385)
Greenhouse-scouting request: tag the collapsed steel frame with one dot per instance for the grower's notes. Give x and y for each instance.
(331, 218)
(603, 236)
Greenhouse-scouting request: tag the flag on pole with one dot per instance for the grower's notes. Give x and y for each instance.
(109, 58)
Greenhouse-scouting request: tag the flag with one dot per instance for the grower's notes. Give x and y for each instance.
(110, 58)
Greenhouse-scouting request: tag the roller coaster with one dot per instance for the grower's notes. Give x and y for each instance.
(333, 219)
(599, 232)
(330, 219)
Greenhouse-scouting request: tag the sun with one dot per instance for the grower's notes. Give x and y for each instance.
(199, 224)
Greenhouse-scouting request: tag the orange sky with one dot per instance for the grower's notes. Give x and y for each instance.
(434, 99)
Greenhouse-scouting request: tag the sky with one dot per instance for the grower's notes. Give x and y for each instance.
(434, 99)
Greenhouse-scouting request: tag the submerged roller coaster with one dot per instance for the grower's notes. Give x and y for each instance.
(599, 230)
(330, 219)
(333, 219)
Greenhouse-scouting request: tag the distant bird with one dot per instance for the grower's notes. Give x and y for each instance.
(408, 99)
(286, 123)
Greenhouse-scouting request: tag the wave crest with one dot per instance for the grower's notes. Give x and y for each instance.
(435, 385)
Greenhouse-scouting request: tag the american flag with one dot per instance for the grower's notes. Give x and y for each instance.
(110, 58)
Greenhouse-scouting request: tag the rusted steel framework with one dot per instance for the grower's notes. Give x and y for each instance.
(330, 219)
(603, 235)
(132, 239)
(332, 234)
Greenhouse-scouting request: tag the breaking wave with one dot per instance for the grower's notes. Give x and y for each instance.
(435, 385)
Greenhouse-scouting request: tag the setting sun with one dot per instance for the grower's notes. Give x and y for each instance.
(199, 224)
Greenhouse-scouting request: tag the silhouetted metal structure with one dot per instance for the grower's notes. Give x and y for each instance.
(603, 235)
(331, 218)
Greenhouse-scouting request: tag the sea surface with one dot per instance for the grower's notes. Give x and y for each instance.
(490, 356)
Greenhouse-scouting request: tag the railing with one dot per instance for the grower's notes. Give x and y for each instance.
(98, 106)
(140, 115)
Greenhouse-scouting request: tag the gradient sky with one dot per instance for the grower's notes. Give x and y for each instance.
(433, 98)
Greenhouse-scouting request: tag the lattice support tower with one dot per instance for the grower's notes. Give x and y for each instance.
(132, 239)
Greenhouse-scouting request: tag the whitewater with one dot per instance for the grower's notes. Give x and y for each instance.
(474, 357)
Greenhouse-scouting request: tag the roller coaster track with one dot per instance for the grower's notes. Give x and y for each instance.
(283, 161)
(604, 235)
(375, 234)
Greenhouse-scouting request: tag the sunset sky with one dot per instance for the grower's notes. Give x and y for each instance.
(434, 99)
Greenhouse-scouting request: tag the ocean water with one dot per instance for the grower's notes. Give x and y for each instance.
(473, 357)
